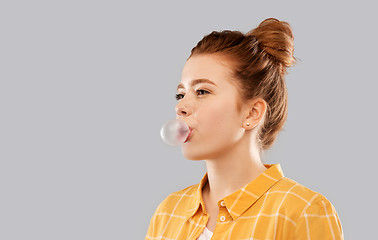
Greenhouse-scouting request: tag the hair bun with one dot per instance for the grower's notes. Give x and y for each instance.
(277, 39)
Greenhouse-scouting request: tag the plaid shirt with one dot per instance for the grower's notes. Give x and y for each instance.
(269, 207)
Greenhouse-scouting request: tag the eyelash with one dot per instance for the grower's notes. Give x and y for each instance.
(180, 94)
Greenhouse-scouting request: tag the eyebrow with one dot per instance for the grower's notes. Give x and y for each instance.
(195, 82)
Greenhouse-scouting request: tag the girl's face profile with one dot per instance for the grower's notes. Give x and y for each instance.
(207, 102)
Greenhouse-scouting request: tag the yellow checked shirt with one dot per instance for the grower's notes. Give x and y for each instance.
(270, 207)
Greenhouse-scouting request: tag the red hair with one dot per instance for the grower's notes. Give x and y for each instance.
(259, 60)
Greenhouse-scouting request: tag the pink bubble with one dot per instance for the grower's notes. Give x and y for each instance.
(174, 132)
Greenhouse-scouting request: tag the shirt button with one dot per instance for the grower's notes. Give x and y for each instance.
(222, 218)
(222, 203)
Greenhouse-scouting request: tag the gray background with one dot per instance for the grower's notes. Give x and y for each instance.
(86, 85)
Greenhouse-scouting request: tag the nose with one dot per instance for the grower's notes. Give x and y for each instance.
(183, 109)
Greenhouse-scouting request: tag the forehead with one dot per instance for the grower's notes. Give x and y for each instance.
(212, 67)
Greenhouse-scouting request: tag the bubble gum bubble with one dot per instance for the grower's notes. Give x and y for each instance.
(174, 132)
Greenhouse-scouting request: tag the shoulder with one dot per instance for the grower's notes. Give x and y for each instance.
(311, 212)
(295, 199)
(173, 209)
(290, 186)
(176, 199)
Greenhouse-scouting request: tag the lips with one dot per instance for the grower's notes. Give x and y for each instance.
(189, 135)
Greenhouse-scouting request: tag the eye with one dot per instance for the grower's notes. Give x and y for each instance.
(181, 96)
(201, 90)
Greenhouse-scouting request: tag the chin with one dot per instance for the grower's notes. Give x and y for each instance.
(192, 155)
(196, 154)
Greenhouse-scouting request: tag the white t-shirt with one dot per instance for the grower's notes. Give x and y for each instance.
(205, 235)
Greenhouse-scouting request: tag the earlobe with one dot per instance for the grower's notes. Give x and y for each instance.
(248, 124)
(256, 112)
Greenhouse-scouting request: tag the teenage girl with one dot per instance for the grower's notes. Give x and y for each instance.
(233, 97)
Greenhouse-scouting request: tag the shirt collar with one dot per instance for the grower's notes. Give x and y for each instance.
(239, 201)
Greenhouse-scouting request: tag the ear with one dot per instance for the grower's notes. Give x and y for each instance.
(255, 111)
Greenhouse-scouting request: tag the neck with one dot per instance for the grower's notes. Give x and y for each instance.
(231, 172)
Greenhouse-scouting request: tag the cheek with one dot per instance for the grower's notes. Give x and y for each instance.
(217, 118)
(217, 128)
